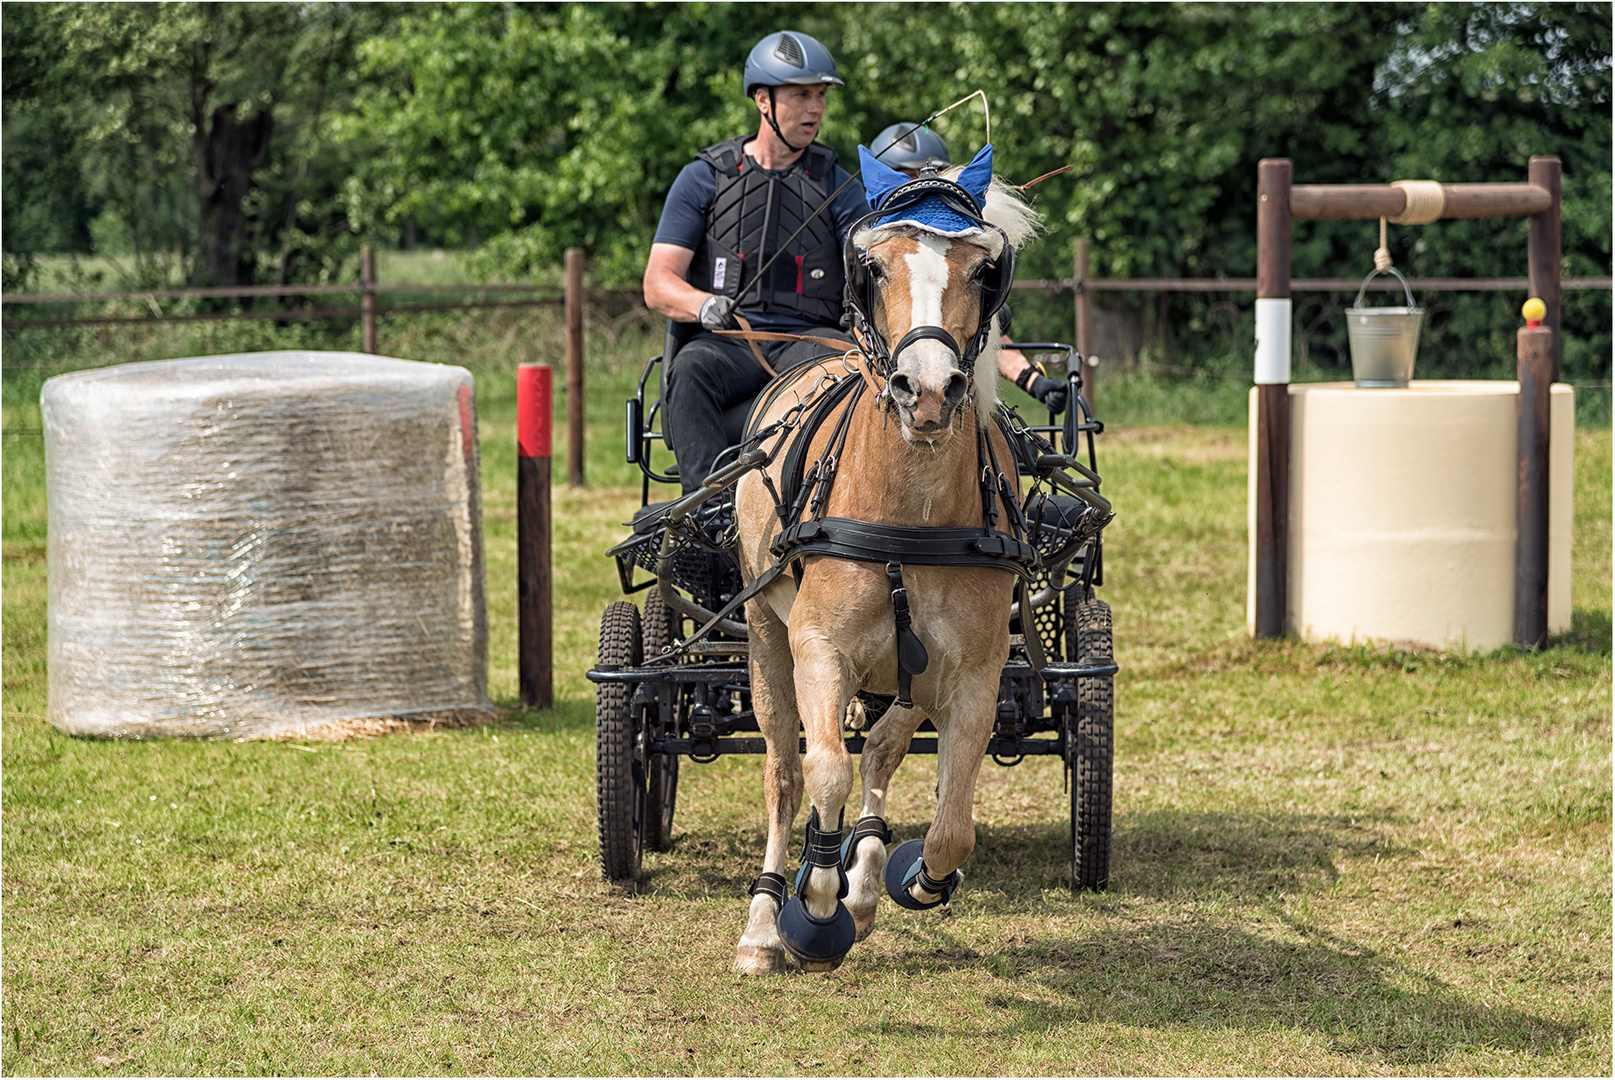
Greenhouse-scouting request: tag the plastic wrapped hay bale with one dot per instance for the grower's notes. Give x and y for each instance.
(241, 545)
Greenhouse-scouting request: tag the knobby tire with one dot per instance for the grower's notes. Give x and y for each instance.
(619, 773)
(662, 626)
(1092, 749)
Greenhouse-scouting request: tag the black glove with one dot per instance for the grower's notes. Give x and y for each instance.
(1051, 392)
(718, 313)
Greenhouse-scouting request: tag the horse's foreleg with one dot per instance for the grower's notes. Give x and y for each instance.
(822, 696)
(760, 950)
(815, 925)
(884, 750)
(962, 739)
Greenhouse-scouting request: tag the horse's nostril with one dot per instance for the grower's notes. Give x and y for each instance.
(903, 391)
(957, 386)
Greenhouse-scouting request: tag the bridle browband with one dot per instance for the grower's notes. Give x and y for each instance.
(860, 294)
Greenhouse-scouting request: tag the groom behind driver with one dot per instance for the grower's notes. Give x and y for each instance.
(725, 218)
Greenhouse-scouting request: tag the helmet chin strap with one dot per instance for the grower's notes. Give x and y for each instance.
(769, 116)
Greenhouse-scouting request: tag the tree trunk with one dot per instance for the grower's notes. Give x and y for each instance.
(228, 153)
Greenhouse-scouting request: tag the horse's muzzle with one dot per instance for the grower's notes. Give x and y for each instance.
(927, 408)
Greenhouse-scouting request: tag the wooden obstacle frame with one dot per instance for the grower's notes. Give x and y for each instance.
(1279, 203)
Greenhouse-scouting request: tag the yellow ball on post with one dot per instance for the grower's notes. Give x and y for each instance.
(1534, 311)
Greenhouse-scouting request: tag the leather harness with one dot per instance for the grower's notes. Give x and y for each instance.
(803, 495)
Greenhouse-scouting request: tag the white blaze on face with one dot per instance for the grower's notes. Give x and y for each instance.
(929, 361)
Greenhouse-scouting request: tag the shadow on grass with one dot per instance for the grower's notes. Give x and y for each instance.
(1161, 855)
(1590, 631)
(1208, 975)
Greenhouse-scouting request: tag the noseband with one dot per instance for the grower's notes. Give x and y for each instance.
(860, 288)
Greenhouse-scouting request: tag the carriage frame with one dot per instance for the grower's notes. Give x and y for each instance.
(662, 698)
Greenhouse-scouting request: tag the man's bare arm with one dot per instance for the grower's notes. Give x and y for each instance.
(666, 291)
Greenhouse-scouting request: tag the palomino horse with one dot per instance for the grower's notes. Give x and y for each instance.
(918, 451)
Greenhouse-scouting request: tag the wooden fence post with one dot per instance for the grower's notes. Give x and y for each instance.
(1544, 252)
(1534, 350)
(534, 404)
(1272, 377)
(367, 301)
(574, 367)
(1081, 257)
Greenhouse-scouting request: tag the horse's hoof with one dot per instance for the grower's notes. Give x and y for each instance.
(903, 869)
(754, 960)
(815, 943)
(813, 967)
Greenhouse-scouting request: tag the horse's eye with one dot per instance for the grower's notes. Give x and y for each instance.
(875, 270)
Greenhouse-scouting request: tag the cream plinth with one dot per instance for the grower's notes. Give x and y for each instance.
(1402, 512)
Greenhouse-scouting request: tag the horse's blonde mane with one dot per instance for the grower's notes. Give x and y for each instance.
(1007, 209)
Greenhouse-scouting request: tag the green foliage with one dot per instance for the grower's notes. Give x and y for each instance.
(519, 130)
(113, 106)
(533, 129)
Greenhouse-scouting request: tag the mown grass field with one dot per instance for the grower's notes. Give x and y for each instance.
(1328, 860)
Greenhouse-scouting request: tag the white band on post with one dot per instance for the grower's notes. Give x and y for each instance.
(1273, 341)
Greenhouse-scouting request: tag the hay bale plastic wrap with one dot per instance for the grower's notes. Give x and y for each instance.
(244, 545)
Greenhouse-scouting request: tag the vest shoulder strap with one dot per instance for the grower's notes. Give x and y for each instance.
(725, 157)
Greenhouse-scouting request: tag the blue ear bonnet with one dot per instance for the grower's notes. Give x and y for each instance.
(932, 213)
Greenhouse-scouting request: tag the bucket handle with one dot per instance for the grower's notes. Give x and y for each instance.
(1389, 270)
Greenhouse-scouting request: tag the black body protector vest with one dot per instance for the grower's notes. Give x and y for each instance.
(754, 212)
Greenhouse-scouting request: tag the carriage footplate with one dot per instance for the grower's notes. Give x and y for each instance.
(1071, 669)
(818, 944)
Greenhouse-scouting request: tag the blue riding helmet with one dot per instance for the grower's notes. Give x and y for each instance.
(909, 146)
(787, 58)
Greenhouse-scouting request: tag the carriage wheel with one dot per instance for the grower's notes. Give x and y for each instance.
(1068, 625)
(619, 765)
(1091, 750)
(663, 626)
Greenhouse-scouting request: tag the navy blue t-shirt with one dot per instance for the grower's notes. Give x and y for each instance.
(684, 223)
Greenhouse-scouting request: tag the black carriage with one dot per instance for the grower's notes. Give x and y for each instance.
(673, 679)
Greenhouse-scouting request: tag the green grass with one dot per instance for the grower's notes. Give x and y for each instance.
(1328, 860)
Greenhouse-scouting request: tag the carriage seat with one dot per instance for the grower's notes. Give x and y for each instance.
(734, 418)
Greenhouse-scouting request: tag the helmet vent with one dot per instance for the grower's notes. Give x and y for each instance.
(790, 51)
(908, 141)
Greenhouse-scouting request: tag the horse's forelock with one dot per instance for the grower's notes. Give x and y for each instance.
(871, 235)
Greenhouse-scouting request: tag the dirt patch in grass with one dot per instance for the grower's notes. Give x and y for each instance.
(370, 727)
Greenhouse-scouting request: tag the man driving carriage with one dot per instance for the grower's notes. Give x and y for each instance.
(725, 218)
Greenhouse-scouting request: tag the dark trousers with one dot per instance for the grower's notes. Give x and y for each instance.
(711, 375)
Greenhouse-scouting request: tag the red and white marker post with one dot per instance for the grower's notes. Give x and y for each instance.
(535, 395)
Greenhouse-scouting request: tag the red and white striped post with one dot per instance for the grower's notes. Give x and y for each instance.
(535, 395)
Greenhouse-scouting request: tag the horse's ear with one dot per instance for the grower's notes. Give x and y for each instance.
(879, 178)
(977, 176)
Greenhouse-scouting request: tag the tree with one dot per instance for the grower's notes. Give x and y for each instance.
(175, 115)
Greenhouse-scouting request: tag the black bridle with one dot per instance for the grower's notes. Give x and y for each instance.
(998, 276)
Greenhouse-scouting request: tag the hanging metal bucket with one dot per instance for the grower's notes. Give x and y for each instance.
(1384, 340)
